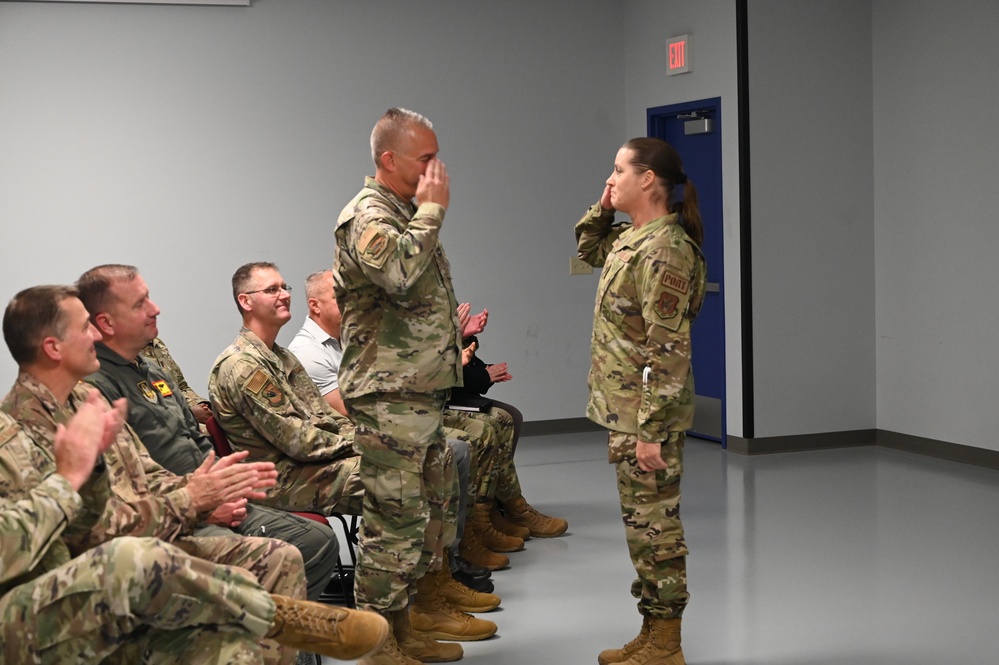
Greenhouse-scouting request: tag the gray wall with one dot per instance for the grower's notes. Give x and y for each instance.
(936, 231)
(811, 137)
(189, 140)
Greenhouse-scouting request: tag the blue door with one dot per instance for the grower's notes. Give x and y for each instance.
(694, 129)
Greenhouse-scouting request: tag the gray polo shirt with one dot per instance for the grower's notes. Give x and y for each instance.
(320, 354)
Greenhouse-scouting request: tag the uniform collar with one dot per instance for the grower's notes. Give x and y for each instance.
(635, 236)
(405, 207)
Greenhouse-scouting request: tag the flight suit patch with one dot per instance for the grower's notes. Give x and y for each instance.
(147, 392)
(163, 387)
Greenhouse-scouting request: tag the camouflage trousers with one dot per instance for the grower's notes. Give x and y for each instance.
(409, 478)
(650, 508)
(135, 600)
(276, 565)
(315, 542)
(463, 461)
(491, 434)
(326, 487)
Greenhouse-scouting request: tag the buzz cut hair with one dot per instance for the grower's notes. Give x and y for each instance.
(94, 286)
(243, 277)
(390, 127)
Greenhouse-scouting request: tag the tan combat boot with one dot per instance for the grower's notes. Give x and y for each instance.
(332, 631)
(461, 597)
(432, 615)
(503, 525)
(520, 512)
(420, 647)
(494, 540)
(662, 646)
(608, 656)
(471, 549)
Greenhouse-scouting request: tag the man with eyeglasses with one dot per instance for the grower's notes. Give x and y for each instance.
(265, 401)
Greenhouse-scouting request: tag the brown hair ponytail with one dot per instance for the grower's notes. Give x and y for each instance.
(690, 214)
(663, 160)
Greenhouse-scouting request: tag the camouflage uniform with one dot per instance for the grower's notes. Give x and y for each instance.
(145, 499)
(267, 404)
(321, 355)
(129, 601)
(156, 351)
(641, 386)
(491, 437)
(169, 431)
(401, 356)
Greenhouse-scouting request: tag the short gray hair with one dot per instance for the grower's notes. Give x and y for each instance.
(391, 126)
(314, 282)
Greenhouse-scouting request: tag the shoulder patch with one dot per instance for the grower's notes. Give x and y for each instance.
(257, 382)
(272, 394)
(373, 247)
(666, 306)
(8, 432)
(675, 281)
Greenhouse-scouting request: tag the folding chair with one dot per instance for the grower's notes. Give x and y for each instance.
(345, 574)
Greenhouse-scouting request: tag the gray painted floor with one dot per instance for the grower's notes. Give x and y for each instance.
(865, 556)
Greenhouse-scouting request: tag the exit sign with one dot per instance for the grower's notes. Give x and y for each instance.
(679, 56)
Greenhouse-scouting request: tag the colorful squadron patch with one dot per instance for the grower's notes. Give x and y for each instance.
(273, 394)
(666, 308)
(163, 387)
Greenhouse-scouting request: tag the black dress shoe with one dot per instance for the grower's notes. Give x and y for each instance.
(472, 570)
(481, 584)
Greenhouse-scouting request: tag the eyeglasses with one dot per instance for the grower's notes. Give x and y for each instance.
(271, 290)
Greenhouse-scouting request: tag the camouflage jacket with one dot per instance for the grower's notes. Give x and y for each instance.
(146, 500)
(156, 351)
(393, 285)
(267, 404)
(650, 290)
(33, 514)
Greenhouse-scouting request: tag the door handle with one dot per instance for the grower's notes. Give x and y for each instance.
(712, 287)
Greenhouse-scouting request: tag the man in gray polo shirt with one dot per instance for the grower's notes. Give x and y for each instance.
(317, 344)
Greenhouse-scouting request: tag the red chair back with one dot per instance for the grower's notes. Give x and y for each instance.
(218, 437)
(222, 448)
